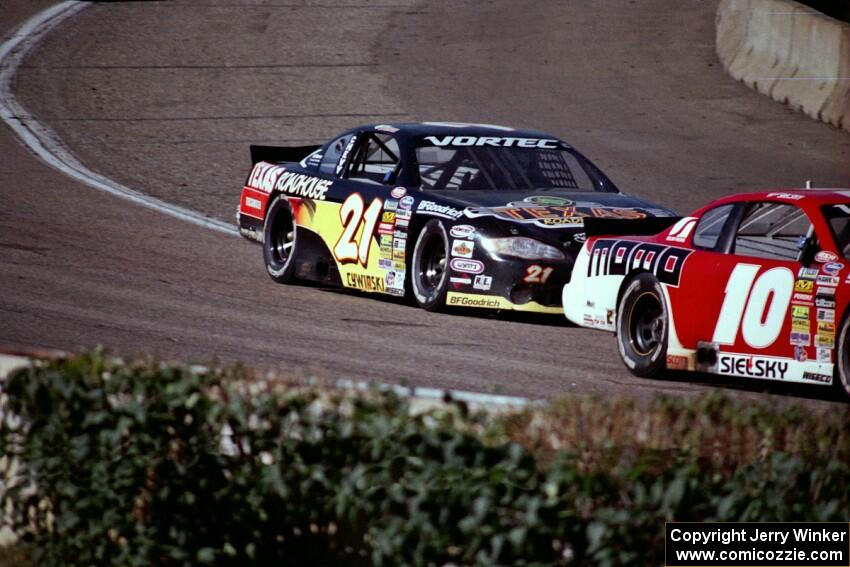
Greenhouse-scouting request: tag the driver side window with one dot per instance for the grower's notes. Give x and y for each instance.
(375, 159)
(772, 230)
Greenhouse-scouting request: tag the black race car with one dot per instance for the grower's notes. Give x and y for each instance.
(448, 214)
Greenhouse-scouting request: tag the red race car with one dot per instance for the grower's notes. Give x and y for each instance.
(753, 286)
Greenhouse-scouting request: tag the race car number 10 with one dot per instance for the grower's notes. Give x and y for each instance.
(745, 303)
(351, 215)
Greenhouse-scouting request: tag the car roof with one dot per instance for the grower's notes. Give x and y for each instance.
(416, 129)
(802, 197)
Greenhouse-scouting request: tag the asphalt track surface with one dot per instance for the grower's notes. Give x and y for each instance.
(165, 97)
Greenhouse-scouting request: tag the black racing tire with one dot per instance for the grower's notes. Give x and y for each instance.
(642, 319)
(429, 274)
(841, 372)
(280, 244)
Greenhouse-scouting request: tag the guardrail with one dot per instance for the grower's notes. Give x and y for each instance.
(790, 53)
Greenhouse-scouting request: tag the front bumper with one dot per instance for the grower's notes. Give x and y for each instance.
(516, 285)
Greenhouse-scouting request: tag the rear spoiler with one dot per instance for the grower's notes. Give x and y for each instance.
(628, 227)
(276, 154)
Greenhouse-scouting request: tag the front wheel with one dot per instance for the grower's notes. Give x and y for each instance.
(279, 242)
(429, 275)
(642, 326)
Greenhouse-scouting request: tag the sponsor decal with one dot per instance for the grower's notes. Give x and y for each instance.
(399, 256)
(800, 354)
(826, 303)
(385, 263)
(546, 200)
(826, 327)
(406, 202)
(267, 178)
(313, 159)
(458, 280)
(826, 292)
(804, 297)
(800, 325)
(563, 221)
(396, 291)
(403, 214)
(344, 157)
(463, 248)
(808, 274)
(832, 268)
(800, 312)
(432, 208)
(680, 231)
(252, 203)
(828, 280)
(462, 231)
(466, 266)
(495, 141)
(826, 340)
(483, 282)
(676, 362)
(385, 228)
(390, 205)
(388, 217)
(790, 196)
(474, 301)
(401, 222)
(386, 240)
(825, 256)
(748, 366)
(365, 282)
(399, 266)
(550, 215)
(801, 339)
(580, 237)
(399, 243)
(824, 355)
(398, 192)
(826, 315)
(804, 286)
(814, 377)
(611, 257)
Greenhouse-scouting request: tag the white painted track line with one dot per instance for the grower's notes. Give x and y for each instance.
(46, 144)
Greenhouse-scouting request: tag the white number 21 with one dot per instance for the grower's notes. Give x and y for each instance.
(758, 328)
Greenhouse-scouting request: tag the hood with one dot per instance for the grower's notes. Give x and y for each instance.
(551, 209)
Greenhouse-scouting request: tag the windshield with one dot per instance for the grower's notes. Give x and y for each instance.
(500, 168)
(838, 217)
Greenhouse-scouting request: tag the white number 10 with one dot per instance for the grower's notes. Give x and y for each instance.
(758, 328)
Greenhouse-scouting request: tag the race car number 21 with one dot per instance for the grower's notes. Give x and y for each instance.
(352, 215)
(756, 306)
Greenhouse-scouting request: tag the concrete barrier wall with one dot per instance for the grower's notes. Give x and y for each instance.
(789, 52)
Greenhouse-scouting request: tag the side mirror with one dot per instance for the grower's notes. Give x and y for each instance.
(808, 249)
(390, 177)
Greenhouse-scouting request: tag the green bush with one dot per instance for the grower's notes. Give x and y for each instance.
(152, 464)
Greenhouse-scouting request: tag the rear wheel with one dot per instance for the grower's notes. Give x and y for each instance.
(429, 275)
(279, 242)
(841, 373)
(642, 326)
